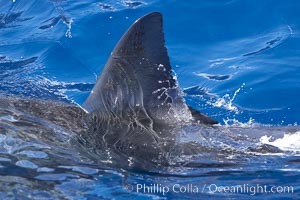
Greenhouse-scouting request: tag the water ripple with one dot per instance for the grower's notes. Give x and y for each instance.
(26, 164)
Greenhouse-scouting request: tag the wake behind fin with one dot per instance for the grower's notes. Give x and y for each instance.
(137, 78)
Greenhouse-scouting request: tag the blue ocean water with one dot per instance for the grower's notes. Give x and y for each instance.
(236, 61)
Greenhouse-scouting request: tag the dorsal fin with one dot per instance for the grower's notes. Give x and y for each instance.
(137, 77)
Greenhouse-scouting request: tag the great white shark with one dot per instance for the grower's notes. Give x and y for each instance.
(135, 111)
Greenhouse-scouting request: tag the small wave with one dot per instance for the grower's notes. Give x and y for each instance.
(270, 44)
(51, 22)
(10, 65)
(214, 77)
(289, 142)
(195, 91)
(133, 4)
(220, 61)
(82, 169)
(8, 20)
(277, 37)
(8, 118)
(237, 50)
(33, 154)
(61, 87)
(106, 7)
(55, 177)
(26, 164)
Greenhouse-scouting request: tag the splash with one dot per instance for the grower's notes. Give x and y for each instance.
(179, 111)
(227, 102)
(236, 123)
(289, 142)
(68, 33)
(290, 29)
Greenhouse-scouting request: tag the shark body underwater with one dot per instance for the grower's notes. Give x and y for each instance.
(135, 113)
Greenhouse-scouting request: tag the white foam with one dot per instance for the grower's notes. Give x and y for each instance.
(289, 142)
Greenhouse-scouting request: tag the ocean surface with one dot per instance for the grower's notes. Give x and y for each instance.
(237, 61)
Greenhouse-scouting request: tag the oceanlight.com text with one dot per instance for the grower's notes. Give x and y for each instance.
(249, 189)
